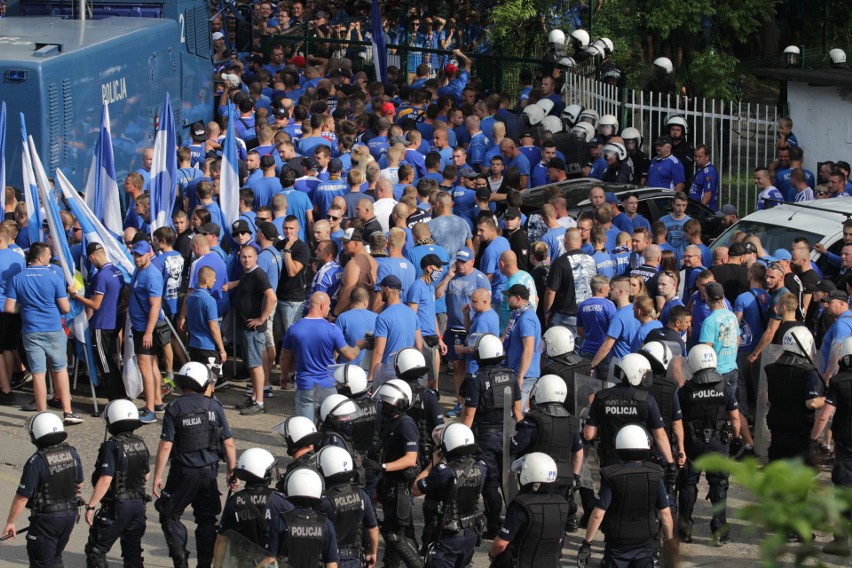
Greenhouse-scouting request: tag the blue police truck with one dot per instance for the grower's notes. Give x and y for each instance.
(58, 70)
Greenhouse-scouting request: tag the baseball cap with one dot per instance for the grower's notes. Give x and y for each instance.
(240, 226)
(92, 248)
(727, 209)
(209, 229)
(400, 140)
(352, 234)
(464, 255)
(749, 248)
(269, 231)
(736, 249)
(782, 254)
(432, 260)
(449, 68)
(836, 295)
(557, 164)
(218, 36)
(518, 290)
(310, 163)
(388, 109)
(335, 165)
(611, 198)
(527, 135)
(198, 132)
(298, 61)
(662, 140)
(596, 141)
(483, 193)
(715, 291)
(280, 113)
(468, 173)
(142, 247)
(391, 281)
(512, 213)
(825, 286)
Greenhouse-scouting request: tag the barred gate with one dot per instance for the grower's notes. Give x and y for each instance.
(741, 136)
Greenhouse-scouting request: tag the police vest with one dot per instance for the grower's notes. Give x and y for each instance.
(417, 411)
(195, 431)
(663, 390)
(631, 518)
(565, 367)
(59, 491)
(704, 406)
(785, 386)
(541, 543)
(461, 505)
(620, 408)
(556, 430)
(306, 532)
(842, 424)
(348, 508)
(131, 467)
(364, 426)
(252, 520)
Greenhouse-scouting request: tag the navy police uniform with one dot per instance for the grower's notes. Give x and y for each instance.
(124, 458)
(534, 528)
(664, 389)
(840, 397)
(304, 529)
(197, 427)
(49, 482)
(246, 512)
(793, 380)
(426, 411)
(348, 508)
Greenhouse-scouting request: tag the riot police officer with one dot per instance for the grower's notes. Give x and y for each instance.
(633, 144)
(398, 462)
(838, 403)
(49, 487)
(302, 527)
(196, 436)
(348, 508)
(678, 130)
(624, 404)
(562, 361)
(663, 77)
(301, 436)
(337, 415)
(245, 511)
(632, 495)
(118, 482)
(484, 410)
(555, 46)
(549, 428)
(664, 390)
(794, 391)
(533, 531)
(711, 421)
(454, 478)
(410, 366)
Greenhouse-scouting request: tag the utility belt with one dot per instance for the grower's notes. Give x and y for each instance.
(59, 507)
(488, 429)
(132, 495)
(472, 522)
(700, 433)
(350, 552)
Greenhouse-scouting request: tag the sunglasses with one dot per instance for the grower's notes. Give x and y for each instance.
(821, 193)
(331, 218)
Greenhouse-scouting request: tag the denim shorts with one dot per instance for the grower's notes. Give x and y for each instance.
(253, 344)
(43, 347)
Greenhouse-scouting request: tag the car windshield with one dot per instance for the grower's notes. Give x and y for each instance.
(772, 237)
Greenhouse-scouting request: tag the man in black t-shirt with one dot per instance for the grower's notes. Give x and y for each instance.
(292, 286)
(732, 275)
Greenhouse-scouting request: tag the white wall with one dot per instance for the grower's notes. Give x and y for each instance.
(822, 122)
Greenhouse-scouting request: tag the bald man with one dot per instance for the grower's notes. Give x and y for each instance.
(312, 342)
(516, 160)
(514, 275)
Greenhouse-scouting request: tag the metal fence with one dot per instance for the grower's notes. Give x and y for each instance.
(741, 136)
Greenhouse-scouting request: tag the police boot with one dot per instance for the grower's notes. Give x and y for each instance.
(95, 558)
(837, 547)
(134, 563)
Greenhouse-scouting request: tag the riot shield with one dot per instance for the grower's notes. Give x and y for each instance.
(584, 389)
(235, 551)
(509, 483)
(761, 430)
(678, 370)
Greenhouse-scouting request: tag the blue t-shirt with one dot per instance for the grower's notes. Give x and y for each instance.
(459, 292)
(480, 322)
(214, 261)
(644, 330)
(754, 306)
(399, 267)
(520, 161)
(355, 324)
(107, 281)
(476, 150)
(706, 180)
(450, 232)
(722, 330)
(526, 325)
(170, 265)
(594, 315)
(489, 263)
(298, 203)
(555, 240)
(606, 263)
(36, 290)
(326, 192)
(146, 284)
(415, 255)
(10, 264)
(313, 342)
(398, 325)
(640, 221)
(423, 295)
(264, 189)
(623, 327)
(269, 260)
(666, 173)
(667, 307)
(675, 235)
(200, 311)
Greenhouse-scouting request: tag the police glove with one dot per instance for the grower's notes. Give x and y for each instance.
(671, 477)
(370, 463)
(736, 446)
(584, 553)
(575, 484)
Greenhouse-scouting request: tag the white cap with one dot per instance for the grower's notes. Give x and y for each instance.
(218, 35)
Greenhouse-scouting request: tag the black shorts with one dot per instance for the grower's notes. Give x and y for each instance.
(10, 331)
(202, 355)
(137, 344)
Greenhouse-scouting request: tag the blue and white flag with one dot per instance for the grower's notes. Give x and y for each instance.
(102, 195)
(229, 179)
(2, 144)
(380, 50)
(164, 170)
(30, 189)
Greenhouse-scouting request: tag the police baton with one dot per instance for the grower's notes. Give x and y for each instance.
(9, 535)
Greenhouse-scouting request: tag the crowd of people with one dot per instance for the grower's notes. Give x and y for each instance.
(382, 237)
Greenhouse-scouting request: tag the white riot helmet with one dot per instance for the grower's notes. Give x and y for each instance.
(584, 130)
(409, 364)
(552, 124)
(535, 467)
(633, 369)
(396, 393)
(255, 464)
(608, 44)
(631, 133)
(194, 375)
(837, 56)
(592, 50)
(121, 415)
(488, 349)
(844, 356)
(603, 45)
(558, 340)
(556, 37)
(304, 482)
(608, 123)
(616, 148)
(350, 379)
(299, 432)
(658, 354)
(581, 37)
(46, 429)
(566, 62)
(798, 341)
(534, 114)
(338, 406)
(457, 440)
(571, 114)
(591, 116)
(701, 357)
(665, 64)
(792, 50)
(549, 388)
(335, 463)
(546, 105)
(677, 120)
(632, 442)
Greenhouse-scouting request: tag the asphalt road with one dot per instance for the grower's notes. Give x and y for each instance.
(15, 448)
